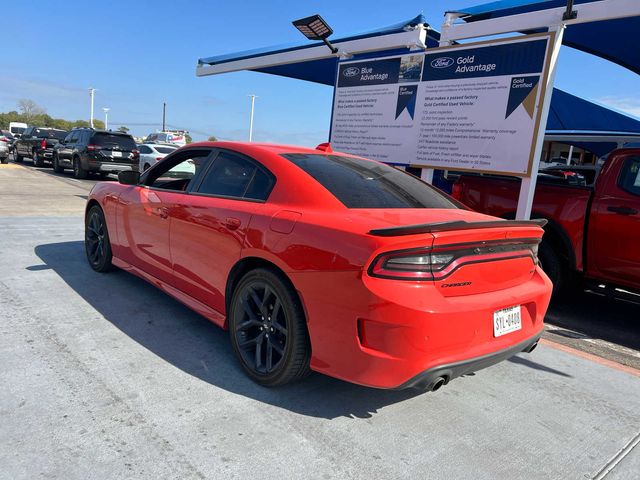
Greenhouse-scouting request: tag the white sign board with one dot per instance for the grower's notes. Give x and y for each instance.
(466, 107)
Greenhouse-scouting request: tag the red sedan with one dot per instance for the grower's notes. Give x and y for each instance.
(315, 260)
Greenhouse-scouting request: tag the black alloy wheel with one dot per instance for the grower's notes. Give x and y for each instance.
(56, 164)
(96, 241)
(268, 329)
(78, 171)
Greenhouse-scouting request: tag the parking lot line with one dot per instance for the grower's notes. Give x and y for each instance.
(593, 358)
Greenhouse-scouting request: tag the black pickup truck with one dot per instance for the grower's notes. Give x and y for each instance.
(37, 143)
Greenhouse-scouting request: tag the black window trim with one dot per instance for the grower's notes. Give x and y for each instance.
(253, 161)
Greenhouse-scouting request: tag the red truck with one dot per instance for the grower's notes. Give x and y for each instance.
(593, 226)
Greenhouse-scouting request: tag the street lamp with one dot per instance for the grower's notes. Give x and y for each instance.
(315, 28)
(106, 117)
(92, 92)
(253, 101)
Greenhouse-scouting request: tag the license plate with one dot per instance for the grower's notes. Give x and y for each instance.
(116, 154)
(506, 321)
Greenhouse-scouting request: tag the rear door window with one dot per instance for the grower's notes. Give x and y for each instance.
(358, 183)
(235, 176)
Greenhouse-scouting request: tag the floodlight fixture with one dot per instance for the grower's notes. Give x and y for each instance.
(315, 28)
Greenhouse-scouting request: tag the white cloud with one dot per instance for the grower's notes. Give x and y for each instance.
(628, 105)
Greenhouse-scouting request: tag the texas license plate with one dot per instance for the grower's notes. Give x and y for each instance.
(506, 321)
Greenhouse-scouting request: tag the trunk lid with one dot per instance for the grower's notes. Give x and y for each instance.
(465, 257)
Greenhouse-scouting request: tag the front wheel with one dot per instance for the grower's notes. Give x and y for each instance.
(268, 329)
(56, 165)
(96, 240)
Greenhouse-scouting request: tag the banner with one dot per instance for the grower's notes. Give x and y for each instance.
(466, 107)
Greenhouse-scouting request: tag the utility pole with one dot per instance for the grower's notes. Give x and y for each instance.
(164, 115)
(106, 117)
(253, 101)
(92, 92)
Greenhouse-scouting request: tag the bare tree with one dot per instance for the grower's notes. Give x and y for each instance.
(30, 109)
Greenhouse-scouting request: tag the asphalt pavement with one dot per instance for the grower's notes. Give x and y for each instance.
(106, 377)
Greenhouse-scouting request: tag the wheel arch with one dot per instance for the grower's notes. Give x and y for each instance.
(556, 236)
(245, 265)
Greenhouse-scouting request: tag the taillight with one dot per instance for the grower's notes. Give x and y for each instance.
(456, 191)
(440, 262)
(93, 148)
(43, 144)
(136, 153)
(159, 158)
(4, 139)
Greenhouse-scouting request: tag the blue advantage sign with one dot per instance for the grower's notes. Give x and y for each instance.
(468, 107)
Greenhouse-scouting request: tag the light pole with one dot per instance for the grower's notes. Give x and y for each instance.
(253, 101)
(106, 117)
(92, 92)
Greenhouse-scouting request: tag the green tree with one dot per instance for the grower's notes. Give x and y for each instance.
(212, 139)
(188, 138)
(123, 129)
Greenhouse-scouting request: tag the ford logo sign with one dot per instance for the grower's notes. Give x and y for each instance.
(351, 71)
(442, 62)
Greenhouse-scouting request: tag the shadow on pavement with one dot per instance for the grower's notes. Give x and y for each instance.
(537, 366)
(196, 346)
(595, 316)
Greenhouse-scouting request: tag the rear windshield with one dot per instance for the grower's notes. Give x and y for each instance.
(364, 184)
(164, 149)
(57, 134)
(124, 142)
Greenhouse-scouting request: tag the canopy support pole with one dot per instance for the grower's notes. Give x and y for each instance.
(528, 185)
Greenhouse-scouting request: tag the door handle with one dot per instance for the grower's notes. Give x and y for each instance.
(163, 212)
(232, 223)
(623, 210)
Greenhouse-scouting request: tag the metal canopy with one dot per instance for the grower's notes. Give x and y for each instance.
(615, 39)
(314, 62)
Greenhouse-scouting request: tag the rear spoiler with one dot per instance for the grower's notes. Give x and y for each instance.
(453, 225)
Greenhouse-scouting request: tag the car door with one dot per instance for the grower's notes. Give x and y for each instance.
(21, 144)
(65, 149)
(208, 231)
(145, 213)
(614, 229)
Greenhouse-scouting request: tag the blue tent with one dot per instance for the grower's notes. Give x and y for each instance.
(615, 40)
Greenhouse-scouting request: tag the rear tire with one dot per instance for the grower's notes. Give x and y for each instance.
(16, 156)
(555, 269)
(37, 159)
(96, 241)
(56, 165)
(78, 171)
(146, 167)
(268, 329)
(5, 159)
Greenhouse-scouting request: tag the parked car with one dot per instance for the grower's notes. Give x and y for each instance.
(37, 143)
(593, 226)
(6, 142)
(174, 138)
(324, 261)
(17, 128)
(89, 150)
(152, 153)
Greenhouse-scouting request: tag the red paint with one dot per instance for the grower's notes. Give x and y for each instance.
(603, 242)
(367, 330)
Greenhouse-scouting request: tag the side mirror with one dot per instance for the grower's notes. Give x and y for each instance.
(129, 177)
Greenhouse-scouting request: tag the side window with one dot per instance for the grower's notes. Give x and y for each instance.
(67, 139)
(28, 132)
(179, 172)
(234, 176)
(144, 149)
(630, 176)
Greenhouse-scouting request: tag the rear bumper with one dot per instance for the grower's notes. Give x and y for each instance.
(393, 334)
(427, 379)
(117, 167)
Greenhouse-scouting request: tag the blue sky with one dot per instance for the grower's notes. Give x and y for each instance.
(138, 54)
